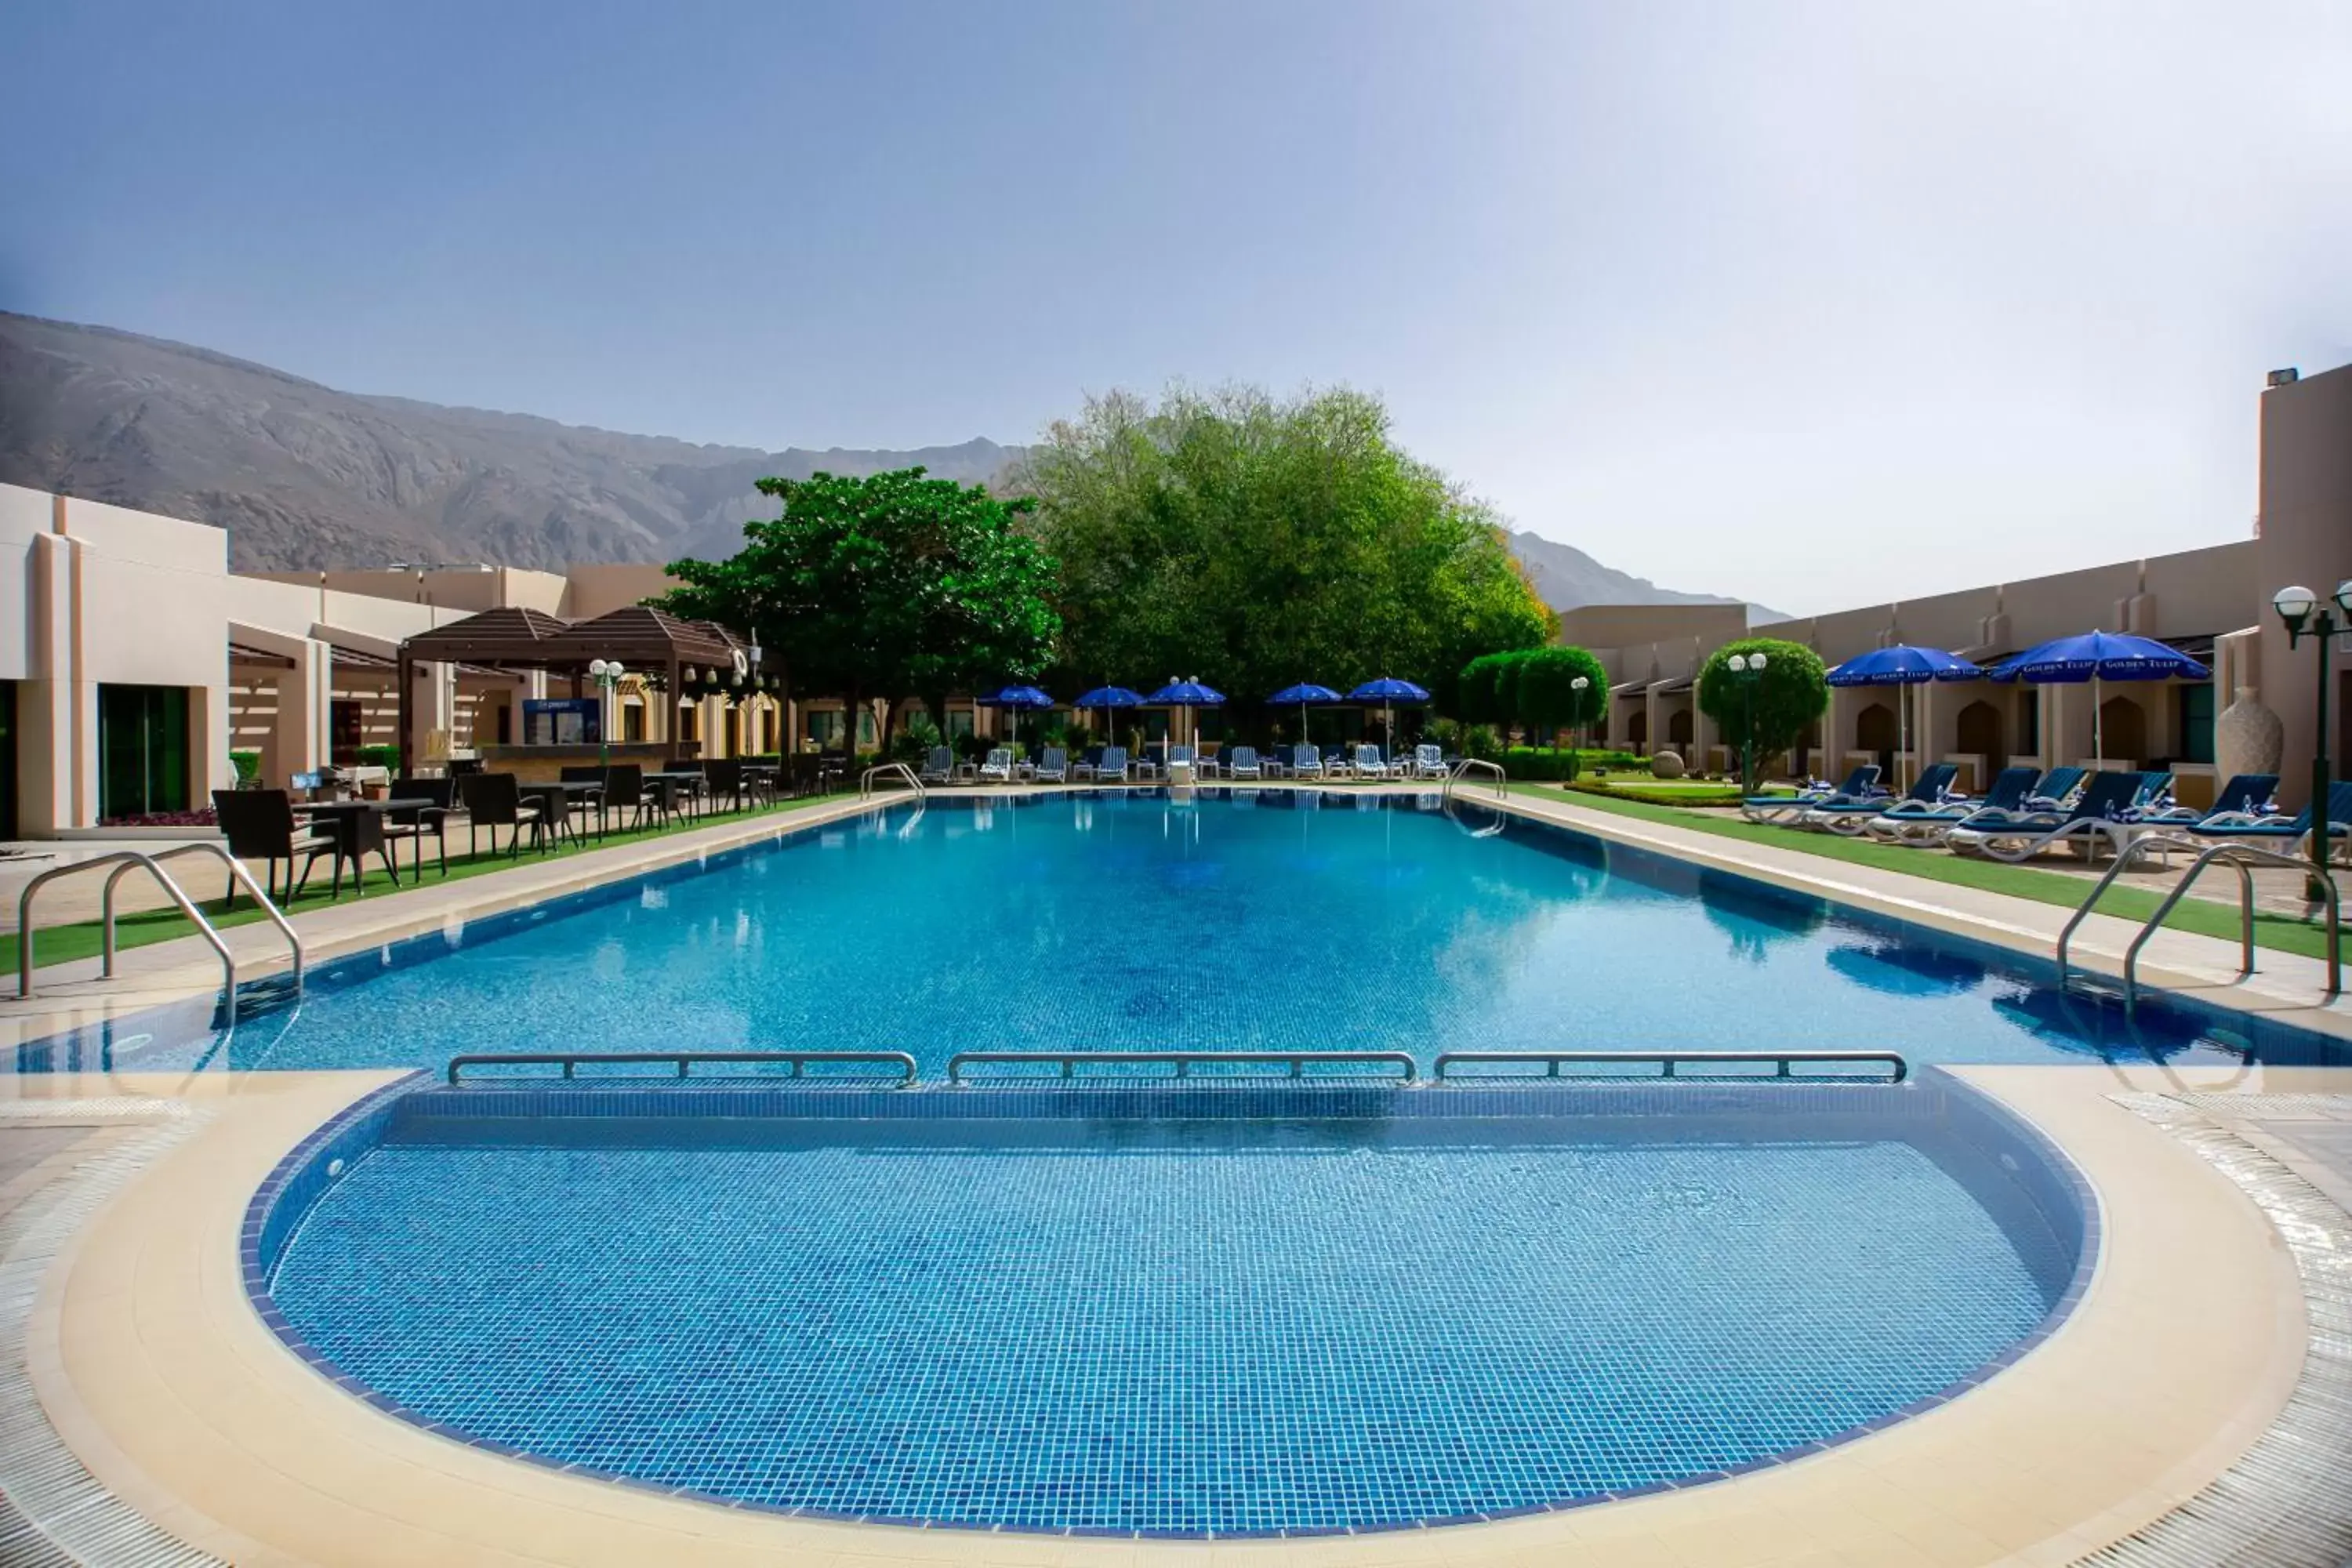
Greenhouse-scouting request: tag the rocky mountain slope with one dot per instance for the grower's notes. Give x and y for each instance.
(303, 476)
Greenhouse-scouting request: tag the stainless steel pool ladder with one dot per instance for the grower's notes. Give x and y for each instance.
(570, 1060)
(1463, 768)
(1182, 1061)
(123, 860)
(1784, 1063)
(866, 780)
(2240, 858)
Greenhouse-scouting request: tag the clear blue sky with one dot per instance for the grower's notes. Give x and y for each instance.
(1772, 300)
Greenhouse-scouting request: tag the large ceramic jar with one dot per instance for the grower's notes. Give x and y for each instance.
(2248, 738)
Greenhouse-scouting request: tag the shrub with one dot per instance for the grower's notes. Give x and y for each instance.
(379, 756)
(247, 765)
(1545, 692)
(1781, 705)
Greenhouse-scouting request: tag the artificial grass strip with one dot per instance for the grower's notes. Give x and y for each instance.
(83, 938)
(2202, 917)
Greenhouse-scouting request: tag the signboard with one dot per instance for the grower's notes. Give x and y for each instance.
(563, 721)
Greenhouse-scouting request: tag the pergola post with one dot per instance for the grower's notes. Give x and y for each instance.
(404, 675)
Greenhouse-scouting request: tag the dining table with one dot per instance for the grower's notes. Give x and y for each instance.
(556, 798)
(341, 818)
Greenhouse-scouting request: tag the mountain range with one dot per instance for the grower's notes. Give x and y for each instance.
(305, 477)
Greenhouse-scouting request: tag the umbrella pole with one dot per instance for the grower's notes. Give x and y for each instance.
(2098, 728)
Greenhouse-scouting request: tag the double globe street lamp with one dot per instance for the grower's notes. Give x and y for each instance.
(606, 673)
(1747, 668)
(2306, 614)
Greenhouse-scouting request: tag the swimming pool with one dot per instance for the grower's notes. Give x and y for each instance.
(1239, 919)
(1219, 1310)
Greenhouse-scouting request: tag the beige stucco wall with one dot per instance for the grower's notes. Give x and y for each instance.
(2306, 489)
(1623, 625)
(596, 590)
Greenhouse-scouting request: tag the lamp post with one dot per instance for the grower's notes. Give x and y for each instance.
(1580, 685)
(1747, 669)
(2306, 614)
(606, 673)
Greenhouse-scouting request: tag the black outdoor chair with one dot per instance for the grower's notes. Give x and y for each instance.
(723, 777)
(625, 791)
(260, 825)
(492, 801)
(591, 773)
(427, 822)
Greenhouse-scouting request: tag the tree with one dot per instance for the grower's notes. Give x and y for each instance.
(1772, 712)
(1477, 695)
(1255, 542)
(1547, 696)
(893, 585)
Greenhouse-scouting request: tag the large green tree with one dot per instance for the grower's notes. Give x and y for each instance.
(1547, 695)
(1255, 542)
(1770, 711)
(890, 586)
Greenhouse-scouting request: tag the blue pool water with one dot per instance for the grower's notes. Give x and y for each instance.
(1288, 920)
(1125, 1324)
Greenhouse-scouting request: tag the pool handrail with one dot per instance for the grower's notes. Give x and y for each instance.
(1461, 768)
(1669, 1060)
(1182, 1061)
(123, 859)
(889, 770)
(569, 1060)
(2240, 858)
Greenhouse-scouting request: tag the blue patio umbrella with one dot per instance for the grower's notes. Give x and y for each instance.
(1304, 693)
(1106, 698)
(1014, 699)
(1387, 691)
(2097, 656)
(1187, 694)
(1903, 665)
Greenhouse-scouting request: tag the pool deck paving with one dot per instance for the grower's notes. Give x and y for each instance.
(155, 1372)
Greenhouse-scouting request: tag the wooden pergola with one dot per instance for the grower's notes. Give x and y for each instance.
(520, 640)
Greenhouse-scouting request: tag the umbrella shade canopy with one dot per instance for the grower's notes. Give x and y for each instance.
(1109, 697)
(1187, 694)
(1016, 698)
(2100, 655)
(1305, 691)
(1903, 665)
(1388, 689)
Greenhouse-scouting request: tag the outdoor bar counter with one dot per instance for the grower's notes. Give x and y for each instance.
(545, 764)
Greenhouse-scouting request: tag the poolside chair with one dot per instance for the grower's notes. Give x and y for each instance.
(2244, 801)
(1305, 762)
(1370, 763)
(997, 766)
(1053, 766)
(2057, 789)
(260, 825)
(939, 766)
(1242, 762)
(1847, 818)
(2098, 817)
(1922, 825)
(2284, 832)
(626, 791)
(426, 821)
(1787, 810)
(1179, 756)
(1428, 761)
(492, 801)
(1111, 766)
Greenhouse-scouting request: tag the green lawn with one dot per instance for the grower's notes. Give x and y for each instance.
(2201, 916)
(63, 943)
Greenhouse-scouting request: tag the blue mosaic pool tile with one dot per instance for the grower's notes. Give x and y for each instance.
(1484, 1301)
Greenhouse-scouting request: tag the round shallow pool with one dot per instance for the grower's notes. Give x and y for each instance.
(1213, 1312)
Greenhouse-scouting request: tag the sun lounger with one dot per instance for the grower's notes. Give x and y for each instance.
(1846, 817)
(1370, 763)
(998, 768)
(2099, 816)
(1240, 762)
(2284, 833)
(2056, 790)
(1054, 767)
(1428, 761)
(2244, 801)
(1860, 785)
(1111, 766)
(939, 767)
(1305, 762)
(1923, 826)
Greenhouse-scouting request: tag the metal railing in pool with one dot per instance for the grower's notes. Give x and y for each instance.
(1461, 768)
(1071, 1062)
(1784, 1063)
(871, 778)
(123, 860)
(2240, 858)
(569, 1061)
